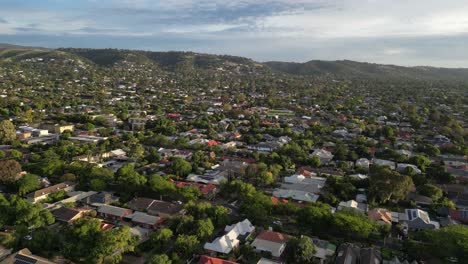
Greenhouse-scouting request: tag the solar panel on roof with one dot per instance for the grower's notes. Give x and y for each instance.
(26, 259)
(20, 262)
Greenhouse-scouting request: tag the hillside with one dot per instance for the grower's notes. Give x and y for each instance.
(183, 62)
(353, 69)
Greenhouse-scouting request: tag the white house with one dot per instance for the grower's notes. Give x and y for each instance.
(269, 241)
(235, 233)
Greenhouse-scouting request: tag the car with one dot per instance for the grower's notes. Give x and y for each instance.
(28, 237)
(277, 222)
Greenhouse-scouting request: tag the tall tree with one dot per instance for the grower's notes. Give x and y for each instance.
(9, 171)
(7, 132)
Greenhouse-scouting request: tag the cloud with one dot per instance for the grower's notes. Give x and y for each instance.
(414, 32)
(3, 21)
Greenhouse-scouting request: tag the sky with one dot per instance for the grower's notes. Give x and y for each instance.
(402, 32)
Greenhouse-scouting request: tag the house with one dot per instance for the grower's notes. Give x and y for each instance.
(140, 203)
(207, 190)
(165, 209)
(98, 198)
(211, 260)
(297, 195)
(45, 192)
(24, 256)
(419, 199)
(403, 167)
(417, 219)
(58, 129)
(325, 156)
(113, 213)
(272, 242)
(362, 162)
(67, 215)
(380, 215)
(348, 253)
(144, 220)
(384, 163)
(460, 215)
(235, 234)
(264, 146)
(352, 204)
(324, 248)
(267, 261)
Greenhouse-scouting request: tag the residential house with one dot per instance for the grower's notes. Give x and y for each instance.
(45, 192)
(272, 242)
(417, 219)
(403, 167)
(207, 190)
(57, 128)
(362, 162)
(67, 215)
(145, 220)
(380, 215)
(235, 235)
(419, 199)
(113, 213)
(352, 204)
(325, 156)
(385, 163)
(348, 253)
(325, 249)
(25, 256)
(165, 209)
(460, 215)
(212, 260)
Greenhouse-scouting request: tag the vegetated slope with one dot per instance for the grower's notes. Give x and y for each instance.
(353, 69)
(183, 62)
(171, 60)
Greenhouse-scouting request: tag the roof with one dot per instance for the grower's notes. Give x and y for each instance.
(163, 207)
(296, 195)
(416, 213)
(51, 189)
(24, 256)
(65, 214)
(273, 237)
(143, 218)
(114, 210)
(211, 260)
(140, 203)
(379, 214)
(230, 240)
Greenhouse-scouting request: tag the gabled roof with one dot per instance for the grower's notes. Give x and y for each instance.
(65, 214)
(211, 260)
(272, 236)
(50, 189)
(230, 240)
(114, 210)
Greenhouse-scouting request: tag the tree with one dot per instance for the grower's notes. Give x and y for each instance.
(86, 242)
(9, 171)
(97, 185)
(315, 217)
(204, 228)
(27, 184)
(385, 184)
(127, 176)
(451, 241)
(162, 186)
(350, 223)
(301, 250)
(160, 259)
(161, 237)
(431, 191)
(180, 167)
(421, 161)
(15, 154)
(7, 132)
(186, 245)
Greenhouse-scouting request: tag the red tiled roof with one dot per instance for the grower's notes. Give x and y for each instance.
(211, 260)
(204, 188)
(273, 236)
(275, 200)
